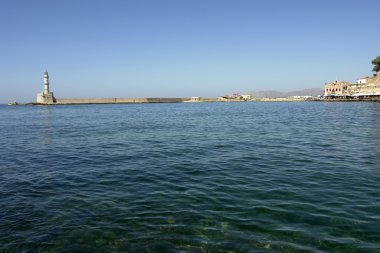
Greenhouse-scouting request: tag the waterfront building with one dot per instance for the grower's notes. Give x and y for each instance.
(246, 96)
(195, 99)
(234, 97)
(46, 96)
(335, 88)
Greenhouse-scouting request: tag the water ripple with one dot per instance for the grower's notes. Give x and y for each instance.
(204, 177)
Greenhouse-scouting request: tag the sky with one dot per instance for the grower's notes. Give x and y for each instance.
(182, 48)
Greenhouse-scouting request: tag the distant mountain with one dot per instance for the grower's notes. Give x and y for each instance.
(314, 92)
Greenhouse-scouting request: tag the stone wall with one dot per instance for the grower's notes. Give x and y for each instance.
(117, 100)
(376, 79)
(371, 87)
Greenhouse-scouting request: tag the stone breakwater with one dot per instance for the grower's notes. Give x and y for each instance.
(75, 101)
(66, 101)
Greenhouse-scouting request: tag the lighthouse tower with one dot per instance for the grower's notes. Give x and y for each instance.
(46, 97)
(46, 83)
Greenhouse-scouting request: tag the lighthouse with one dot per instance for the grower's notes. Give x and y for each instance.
(46, 83)
(46, 97)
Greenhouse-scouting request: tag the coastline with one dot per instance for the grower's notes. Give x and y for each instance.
(89, 101)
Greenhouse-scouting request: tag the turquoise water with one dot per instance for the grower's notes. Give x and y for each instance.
(191, 177)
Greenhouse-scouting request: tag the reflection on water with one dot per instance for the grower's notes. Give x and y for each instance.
(47, 126)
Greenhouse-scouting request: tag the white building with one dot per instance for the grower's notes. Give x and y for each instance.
(363, 80)
(246, 97)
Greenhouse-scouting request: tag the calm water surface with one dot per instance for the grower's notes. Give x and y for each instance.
(191, 177)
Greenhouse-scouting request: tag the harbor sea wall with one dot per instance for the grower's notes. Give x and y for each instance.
(66, 101)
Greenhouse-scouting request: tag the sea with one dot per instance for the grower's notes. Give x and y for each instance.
(190, 177)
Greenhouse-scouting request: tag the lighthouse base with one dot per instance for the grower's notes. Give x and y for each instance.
(46, 99)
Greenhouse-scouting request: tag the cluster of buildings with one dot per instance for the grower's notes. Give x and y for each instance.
(364, 88)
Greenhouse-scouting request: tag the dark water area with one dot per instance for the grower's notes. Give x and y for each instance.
(190, 177)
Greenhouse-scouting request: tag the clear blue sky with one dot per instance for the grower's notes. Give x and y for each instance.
(182, 48)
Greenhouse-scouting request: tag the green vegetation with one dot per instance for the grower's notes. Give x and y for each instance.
(376, 62)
